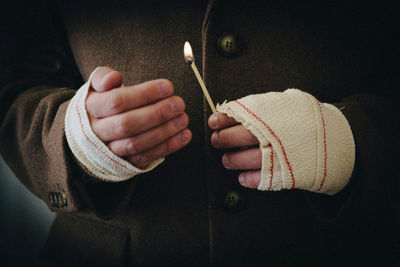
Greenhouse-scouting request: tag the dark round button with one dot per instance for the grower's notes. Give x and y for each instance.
(63, 199)
(234, 200)
(229, 45)
(53, 199)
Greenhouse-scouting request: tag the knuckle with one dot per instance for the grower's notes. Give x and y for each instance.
(173, 126)
(131, 147)
(139, 160)
(159, 136)
(114, 103)
(93, 102)
(95, 126)
(115, 148)
(162, 113)
(164, 148)
(89, 102)
(122, 126)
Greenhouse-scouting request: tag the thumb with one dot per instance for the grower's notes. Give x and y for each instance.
(106, 78)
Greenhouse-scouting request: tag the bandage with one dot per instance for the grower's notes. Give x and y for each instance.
(97, 159)
(305, 144)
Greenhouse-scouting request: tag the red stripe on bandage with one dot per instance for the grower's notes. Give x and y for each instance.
(94, 144)
(275, 136)
(271, 170)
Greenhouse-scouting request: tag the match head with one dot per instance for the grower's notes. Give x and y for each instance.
(187, 51)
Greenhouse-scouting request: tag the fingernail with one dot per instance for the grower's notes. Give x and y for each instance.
(214, 138)
(241, 179)
(106, 77)
(181, 121)
(94, 71)
(213, 121)
(164, 89)
(177, 105)
(225, 161)
(184, 136)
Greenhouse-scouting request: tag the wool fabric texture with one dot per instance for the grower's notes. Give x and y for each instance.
(305, 144)
(96, 158)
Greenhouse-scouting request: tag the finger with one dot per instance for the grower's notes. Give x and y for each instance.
(149, 139)
(249, 159)
(171, 145)
(219, 121)
(106, 78)
(139, 120)
(250, 179)
(122, 99)
(235, 136)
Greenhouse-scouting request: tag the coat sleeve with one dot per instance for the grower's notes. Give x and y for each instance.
(370, 202)
(368, 207)
(37, 80)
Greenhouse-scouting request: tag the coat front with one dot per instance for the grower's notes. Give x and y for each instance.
(190, 211)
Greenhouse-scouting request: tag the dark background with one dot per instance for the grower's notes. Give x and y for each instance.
(24, 219)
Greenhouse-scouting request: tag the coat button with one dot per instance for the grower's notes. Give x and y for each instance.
(58, 199)
(229, 45)
(52, 199)
(63, 199)
(234, 200)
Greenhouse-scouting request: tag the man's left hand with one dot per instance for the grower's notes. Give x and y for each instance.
(231, 134)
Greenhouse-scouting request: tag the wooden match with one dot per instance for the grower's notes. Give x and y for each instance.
(189, 58)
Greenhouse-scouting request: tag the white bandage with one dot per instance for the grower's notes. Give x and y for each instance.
(98, 160)
(305, 144)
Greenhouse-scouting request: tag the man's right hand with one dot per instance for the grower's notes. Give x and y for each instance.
(141, 123)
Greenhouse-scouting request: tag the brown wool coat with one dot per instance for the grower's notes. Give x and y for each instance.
(342, 53)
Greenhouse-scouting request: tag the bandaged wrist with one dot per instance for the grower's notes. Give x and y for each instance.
(305, 144)
(96, 158)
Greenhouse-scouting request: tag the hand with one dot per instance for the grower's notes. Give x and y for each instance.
(141, 123)
(230, 134)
